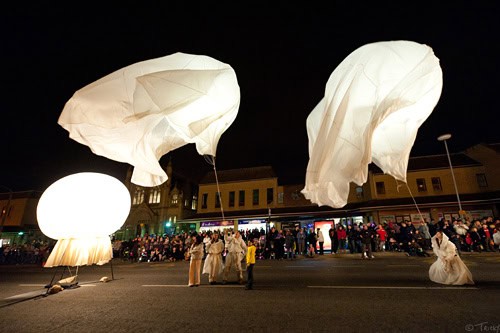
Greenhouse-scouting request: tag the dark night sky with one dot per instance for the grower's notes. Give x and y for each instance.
(282, 56)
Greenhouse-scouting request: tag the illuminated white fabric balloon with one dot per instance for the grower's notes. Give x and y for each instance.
(141, 112)
(81, 211)
(374, 103)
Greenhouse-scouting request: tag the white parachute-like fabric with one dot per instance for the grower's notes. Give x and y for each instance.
(141, 112)
(374, 103)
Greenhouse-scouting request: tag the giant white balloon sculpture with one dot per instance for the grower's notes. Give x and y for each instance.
(374, 103)
(141, 112)
(81, 211)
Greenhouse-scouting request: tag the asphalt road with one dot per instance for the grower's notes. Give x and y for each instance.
(330, 293)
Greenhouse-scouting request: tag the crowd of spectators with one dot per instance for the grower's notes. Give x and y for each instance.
(34, 252)
(478, 235)
(414, 239)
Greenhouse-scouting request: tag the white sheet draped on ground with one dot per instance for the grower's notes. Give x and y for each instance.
(448, 268)
(374, 103)
(80, 252)
(141, 112)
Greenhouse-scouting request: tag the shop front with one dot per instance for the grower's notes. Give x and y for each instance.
(219, 226)
(250, 225)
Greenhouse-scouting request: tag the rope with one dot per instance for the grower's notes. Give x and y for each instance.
(419, 213)
(211, 160)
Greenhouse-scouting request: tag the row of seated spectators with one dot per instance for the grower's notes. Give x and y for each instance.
(35, 252)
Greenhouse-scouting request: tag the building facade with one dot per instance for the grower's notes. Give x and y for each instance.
(253, 198)
(254, 195)
(18, 222)
(156, 210)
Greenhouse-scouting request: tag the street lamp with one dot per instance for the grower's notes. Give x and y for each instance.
(6, 211)
(443, 138)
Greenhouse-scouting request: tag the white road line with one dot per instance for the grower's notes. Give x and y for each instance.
(32, 285)
(300, 266)
(185, 286)
(391, 287)
(333, 266)
(403, 265)
(25, 295)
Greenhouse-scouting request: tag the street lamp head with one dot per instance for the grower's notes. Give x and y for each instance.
(444, 137)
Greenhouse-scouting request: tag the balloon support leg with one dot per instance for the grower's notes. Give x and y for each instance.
(69, 282)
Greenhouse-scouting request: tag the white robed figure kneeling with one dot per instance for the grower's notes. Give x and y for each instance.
(213, 262)
(448, 268)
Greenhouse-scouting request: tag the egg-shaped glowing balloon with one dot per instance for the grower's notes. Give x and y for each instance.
(83, 205)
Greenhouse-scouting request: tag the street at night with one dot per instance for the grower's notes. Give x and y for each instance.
(329, 293)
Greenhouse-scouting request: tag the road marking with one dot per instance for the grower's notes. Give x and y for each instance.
(32, 285)
(25, 295)
(299, 266)
(403, 265)
(391, 287)
(185, 286)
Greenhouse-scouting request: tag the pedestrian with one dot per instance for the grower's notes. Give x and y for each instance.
(311, 251)
(332, 233)
(342, 239)
(236, 249)
(289, 244)
(196, 253)
(301, 241)
(250, 263)
(448, 268)
(382, 238)
(366, 236)
(321, 240)
(213, 262)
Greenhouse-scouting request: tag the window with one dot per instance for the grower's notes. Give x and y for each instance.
(421, 185)
(481, 180)
(217, 200)
(281, 197)
(255, 197)
(241, 201)
(194, 203)
(436, 184)
(204, 200)
(138, 196)
(175, 199)
(231, 199)
(5, 212)
(154, 196)
(270, 195)
(380, 187)
(296, 195)
(359, 192)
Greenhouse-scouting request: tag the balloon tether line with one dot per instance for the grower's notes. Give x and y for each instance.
(414, 201)
(211, 160)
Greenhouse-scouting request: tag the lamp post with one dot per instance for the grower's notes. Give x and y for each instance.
(443, 138)
(6, 211)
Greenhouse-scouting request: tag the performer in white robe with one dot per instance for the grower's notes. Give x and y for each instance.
(236, 251)
(448, 268)
(213, 262)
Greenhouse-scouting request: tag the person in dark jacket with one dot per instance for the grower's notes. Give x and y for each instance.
(366, 236)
